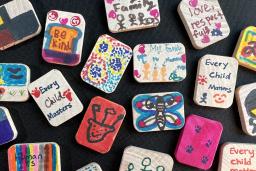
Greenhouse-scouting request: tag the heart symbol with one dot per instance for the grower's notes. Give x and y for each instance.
(218, 25)
(112, 14)
(154, 13)
(63, 21)
(205, 39)
(109, 1)
(193, 3)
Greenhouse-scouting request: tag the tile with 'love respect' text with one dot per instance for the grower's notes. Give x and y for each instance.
(34, 157)
(135, 158)
(131, 15)
(204, 21)
(14, 80)
(216, 81)
(55, 97)
(100, 124)
(163, 62)
(63, 38)
(237, 157)
(198, 142)
(8, 130)
(158, 111)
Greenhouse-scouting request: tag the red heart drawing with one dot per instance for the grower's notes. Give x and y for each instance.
(63, 21)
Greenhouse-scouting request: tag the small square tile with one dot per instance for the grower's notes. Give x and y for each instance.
(198, 142)
(35, 156)
(135, 158)
(100, 124)
(246, 102)
(8, 130)
(14, 80)
(19, 23)
(63, 38)
(204, 21)
(132, 15)
(245, 51)
(237, 156)
(158, 111)
(216, 81)
(91, 167)
(55, 97)
(106, 64)
(164, 62)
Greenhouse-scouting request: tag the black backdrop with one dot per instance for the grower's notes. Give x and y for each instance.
(33, 127)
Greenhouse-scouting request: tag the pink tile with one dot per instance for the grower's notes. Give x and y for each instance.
(198, 142)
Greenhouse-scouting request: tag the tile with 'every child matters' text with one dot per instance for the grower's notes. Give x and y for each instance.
(100, 124)
(216, 81)
(198, 142)
(55, 97)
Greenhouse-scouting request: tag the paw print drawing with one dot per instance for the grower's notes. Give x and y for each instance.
(189, 149)
(198, 128)
(36, 93)
(204, 159)
(68, 95)
(208, 143)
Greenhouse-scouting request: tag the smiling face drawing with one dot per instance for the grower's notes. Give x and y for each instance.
(219, 98)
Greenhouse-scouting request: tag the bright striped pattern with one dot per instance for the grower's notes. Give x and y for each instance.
(34, 157)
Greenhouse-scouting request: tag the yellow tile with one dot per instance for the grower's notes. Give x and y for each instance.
(1, 20)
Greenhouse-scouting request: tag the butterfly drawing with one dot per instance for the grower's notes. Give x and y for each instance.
(158, 112)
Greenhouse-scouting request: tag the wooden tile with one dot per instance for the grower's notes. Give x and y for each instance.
(158, 111)
(132, 14)
(237, 157)
(164, 62)
(198, 142)
(34, 157)
(215, 82)
(204, 21)
(14, 79)
(8, 130)
(106, 64)
(55, 97)
(245, 51)
(135, 159)
(100, 125)
(63, 38)
(91, 167)
(246, 102)
(18, 22)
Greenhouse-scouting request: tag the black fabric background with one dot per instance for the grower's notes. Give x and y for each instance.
(33, 127)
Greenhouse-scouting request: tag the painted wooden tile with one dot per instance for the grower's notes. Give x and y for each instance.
(245, 51)
(204, 21)
(14, 79)
(55, 97)
(8, 130)
(159, 62)
(158, 111)
(63, 38)
(132, 14)
(135, 159)
(100, 124)
(237, 157)
(106, 64)
(198, 142)
(216, 80)
(18, 22)
(91, 167)
(246, 102)
(34, 157)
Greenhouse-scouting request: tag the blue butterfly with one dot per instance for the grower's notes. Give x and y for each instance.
(159, 111)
